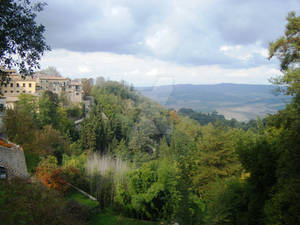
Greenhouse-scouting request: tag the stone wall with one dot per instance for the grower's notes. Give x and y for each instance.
(13, 160)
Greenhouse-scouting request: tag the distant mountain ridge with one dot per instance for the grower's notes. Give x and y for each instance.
(240, 101)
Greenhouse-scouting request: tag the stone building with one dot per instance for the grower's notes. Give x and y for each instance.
(35, 85)
(16, 85)
(52, 83)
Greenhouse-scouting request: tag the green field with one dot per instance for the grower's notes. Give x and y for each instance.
(80, 198)
(109, 218)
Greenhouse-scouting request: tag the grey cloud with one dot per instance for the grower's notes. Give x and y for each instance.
(122, 26)
(246, 22)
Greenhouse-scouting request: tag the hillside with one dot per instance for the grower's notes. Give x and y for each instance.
(240, 101)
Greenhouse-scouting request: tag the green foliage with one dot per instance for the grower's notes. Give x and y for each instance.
(26, 203)
(109, 218)
(149, 192)
(48, 103)
(32, 161)
(83, 200)
(19, 126)
(286, 49)
(95, 133)
(22, 41)
(227, 204)
(215, 158)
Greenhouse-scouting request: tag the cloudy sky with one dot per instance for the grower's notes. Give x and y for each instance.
(156, 42)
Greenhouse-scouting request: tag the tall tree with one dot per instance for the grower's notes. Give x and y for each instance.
(287, 49)
(21, 39)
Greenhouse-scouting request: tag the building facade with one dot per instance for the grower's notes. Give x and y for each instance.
(35, 85)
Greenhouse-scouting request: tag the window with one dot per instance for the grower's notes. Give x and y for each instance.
(29, 84)
(29, 92)
(24, 91)
(18, 91)
(77, 93)
(18, 85)
(5, 91)
(24, 84)
(5, 85)
(3, 173)
(11, 91)
(11, 85)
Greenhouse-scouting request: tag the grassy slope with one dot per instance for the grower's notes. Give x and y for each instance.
(80, 198)
(108, 218)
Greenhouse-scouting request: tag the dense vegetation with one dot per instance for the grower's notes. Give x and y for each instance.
(145, 162)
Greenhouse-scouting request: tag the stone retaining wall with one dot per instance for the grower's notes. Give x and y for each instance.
(13, 160)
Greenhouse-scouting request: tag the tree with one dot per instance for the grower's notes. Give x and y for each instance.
(286, 49)
(21, 39)
(48, 104)
(50, 71)
(87, 85)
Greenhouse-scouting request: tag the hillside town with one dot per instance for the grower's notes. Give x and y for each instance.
(36, 84)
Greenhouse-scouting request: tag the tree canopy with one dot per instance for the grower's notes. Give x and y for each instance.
(21, 39)
(286, 49)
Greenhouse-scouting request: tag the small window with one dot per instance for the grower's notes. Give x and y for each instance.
(18, 85)
(77, 93)
(11, 91)
(3, 173)
(5, 91)
(29, 84)
(18, 91)
(24, 84)
(24, 91)
(11, 85)
(29, 92)
(5, 85)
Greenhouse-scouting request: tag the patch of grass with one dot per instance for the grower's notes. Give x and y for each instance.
(109, 218)
(32, 161)
(81, 199)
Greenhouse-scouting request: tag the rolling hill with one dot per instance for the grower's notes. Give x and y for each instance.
(239, 101)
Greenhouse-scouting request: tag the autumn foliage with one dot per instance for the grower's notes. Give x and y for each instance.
(52, 176)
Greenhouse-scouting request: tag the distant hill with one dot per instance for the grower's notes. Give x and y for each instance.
(239, 101)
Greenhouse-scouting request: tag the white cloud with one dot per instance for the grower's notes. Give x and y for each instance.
(150, 71)
(162, 42)
(83, 69)
(244, 52)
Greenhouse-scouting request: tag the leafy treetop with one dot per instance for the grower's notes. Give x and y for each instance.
(21, 39)
(287, 50)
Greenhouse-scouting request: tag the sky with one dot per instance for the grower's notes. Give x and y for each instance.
(159, 42)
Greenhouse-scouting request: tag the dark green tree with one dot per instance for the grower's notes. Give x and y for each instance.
(21, 39)
(287, 49)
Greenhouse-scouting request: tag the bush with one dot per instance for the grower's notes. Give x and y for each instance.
(149, 192)
(25, 203)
